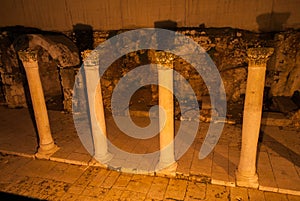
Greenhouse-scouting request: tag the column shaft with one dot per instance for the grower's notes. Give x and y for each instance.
(246, 173)
(252, 118)
(46, 143)
(96, 109)
(167, 163)
(166, 116)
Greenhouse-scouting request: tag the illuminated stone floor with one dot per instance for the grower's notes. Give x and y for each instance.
(278, 160)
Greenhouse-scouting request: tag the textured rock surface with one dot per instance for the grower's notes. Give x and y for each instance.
(286, 71)
(227, 48)
(56, 52)
(296, 118)
(13, 79)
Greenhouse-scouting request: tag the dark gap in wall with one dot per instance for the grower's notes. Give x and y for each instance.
(50, 78)
(83, 35)
(2, 96)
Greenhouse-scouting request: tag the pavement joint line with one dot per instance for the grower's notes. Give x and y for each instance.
(17, 154)
(288, 191)
(268, 188)
(69, 161)
(177, 176)
(223, 183)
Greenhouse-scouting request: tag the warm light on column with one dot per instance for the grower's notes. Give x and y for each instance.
(246, 174)
(46, 143)
(166, 116)
(96, 109)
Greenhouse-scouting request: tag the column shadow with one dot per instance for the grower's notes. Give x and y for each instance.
(84, 38)
(279, 148)
(270, 22)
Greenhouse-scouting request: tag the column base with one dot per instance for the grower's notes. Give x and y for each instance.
(45, 151)
(246, 181)
(96, 163)
(166, 169)
(104, 158)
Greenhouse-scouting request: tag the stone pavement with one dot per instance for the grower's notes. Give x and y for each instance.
(278, 159)
(25, 178)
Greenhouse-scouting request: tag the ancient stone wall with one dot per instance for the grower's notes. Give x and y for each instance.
(57, 58)
(227, 48)
(12, 77)
(285, 73)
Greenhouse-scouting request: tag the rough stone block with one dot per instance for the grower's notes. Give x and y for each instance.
(284, 104)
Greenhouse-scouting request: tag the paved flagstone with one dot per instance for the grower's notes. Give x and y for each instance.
(97, 183)
(278, 160)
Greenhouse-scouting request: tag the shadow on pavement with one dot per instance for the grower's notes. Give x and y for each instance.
(9, 196)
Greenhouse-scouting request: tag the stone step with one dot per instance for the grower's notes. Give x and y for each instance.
(284, 104)
(275, 119)
(296, 98)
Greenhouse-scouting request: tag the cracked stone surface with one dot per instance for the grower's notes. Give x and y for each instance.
(96, 183)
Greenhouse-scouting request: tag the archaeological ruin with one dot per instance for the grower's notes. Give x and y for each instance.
(201, 91)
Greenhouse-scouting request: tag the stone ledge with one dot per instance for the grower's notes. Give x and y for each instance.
(17, 154)
(275, 119)
(223, 183)
(191, 177)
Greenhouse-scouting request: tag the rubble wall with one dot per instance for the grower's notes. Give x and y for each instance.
(226, 46)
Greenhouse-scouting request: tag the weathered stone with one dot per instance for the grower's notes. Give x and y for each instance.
(234, 81)
(67, 81)
(11, 75)
(49, 73)
(296, 119)
(275, 119)
(287, 64)
(284, 104)
(63, 54)
(59, 47)
(227, 48)
(46, 143)
(68, 77)
(167, 163)
(96, 109)
(246, 174)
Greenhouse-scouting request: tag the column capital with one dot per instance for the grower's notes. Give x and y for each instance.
(164, 58)
(259, 56)
(90, 58)
(85, 54)
(28, 55)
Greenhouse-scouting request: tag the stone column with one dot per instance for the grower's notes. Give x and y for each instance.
(167, 163)
(95, 102)
(246, 174)
(46, 143)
